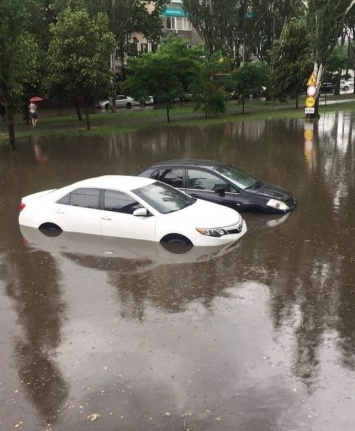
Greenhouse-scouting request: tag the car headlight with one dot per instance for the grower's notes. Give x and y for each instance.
(217, 232)
(274, 203)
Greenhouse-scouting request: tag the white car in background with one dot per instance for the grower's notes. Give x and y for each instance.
(124, 102)
(132, 207)
(346, 84)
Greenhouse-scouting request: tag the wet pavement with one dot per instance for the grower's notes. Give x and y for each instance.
(118, 335)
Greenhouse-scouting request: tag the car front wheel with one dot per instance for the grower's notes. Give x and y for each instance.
(176, 239)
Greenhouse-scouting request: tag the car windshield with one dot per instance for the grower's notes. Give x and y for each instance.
(164, 198)
(238, 177)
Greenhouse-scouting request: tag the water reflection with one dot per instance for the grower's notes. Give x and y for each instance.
(36, 295)
(302, 265)
(118, 254)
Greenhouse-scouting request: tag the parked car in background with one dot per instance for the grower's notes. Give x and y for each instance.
(124, 102)
(131, 207)
(346, 84)
(221, 183)
(327, 87)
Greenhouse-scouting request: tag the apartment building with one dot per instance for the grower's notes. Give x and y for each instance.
(176, 22)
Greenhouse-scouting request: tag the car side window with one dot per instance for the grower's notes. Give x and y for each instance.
(119, 202)
(202, 180)
(171, 176)
(85, 198)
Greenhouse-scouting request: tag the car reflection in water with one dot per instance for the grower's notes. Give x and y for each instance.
(257, 221)
(118, 254)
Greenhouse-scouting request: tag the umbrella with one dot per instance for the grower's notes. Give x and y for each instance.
(36, 99)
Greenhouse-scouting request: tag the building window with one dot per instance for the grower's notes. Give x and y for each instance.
(144, 47)
(170, 23)
(183, 24)
(178, 23)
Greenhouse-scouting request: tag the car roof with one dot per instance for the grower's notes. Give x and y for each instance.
(190, 162)
(123, 182)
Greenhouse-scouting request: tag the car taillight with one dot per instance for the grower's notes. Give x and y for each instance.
(21, 206)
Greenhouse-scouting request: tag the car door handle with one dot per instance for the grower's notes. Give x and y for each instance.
(60, 212)
(106, 218)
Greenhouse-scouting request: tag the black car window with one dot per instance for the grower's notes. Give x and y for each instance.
(171, 176)
(119, 202)
(85, 198)
(202, 180)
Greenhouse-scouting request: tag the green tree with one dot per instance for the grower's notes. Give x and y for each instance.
(240, 29)
(18, 52)
(79, 52)
(337, 61)
(291, 58)
(166, 74)
(207, 89)
(326, 19)
(249, 76)
(127, 18)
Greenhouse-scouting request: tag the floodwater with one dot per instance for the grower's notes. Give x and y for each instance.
(118, 335)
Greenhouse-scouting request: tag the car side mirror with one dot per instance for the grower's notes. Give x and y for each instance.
(141, 212)
(220, 189)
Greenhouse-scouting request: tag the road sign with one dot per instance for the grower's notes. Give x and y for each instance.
(311, 90)
(310, 102)
(309, 111)
(312, 80)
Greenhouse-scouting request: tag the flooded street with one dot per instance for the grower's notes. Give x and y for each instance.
(106, 334)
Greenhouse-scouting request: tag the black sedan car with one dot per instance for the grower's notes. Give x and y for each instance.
(223, 184)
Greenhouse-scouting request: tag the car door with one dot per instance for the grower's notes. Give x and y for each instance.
(117, 219)
(121, 101)
(203, 184)
(78, 211)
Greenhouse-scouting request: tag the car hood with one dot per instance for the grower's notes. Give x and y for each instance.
(271, 191)
(207, 215)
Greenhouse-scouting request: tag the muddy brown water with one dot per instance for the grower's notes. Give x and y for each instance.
(114, 335)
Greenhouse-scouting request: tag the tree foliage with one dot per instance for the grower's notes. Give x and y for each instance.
(292, 62)
(18, 52)
(79, 53)
(165, 74)
(250, 75)
(207, 87)
(240, 29)
(325, 19)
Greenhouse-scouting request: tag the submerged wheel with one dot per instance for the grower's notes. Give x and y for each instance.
(50, 229)
(176, 244)
(176, 239)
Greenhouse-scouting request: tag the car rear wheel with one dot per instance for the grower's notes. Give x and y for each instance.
(50, 229)
(107, 106)
(128, 105)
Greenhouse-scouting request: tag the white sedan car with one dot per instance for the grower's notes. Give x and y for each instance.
(132, 207)
(124, 102)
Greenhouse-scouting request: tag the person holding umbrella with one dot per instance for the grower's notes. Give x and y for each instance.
(33, 109)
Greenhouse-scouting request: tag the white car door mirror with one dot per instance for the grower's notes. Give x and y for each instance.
(141, 212)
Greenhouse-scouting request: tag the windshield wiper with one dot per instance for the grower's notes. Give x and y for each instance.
(257, 184)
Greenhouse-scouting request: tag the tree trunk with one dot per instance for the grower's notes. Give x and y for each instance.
(9, 115)
(25, 112)
(296, 99)
(77, 107)
(168, 113)
(87, 117)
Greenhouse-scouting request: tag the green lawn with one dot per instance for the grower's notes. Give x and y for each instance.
(103, 124)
